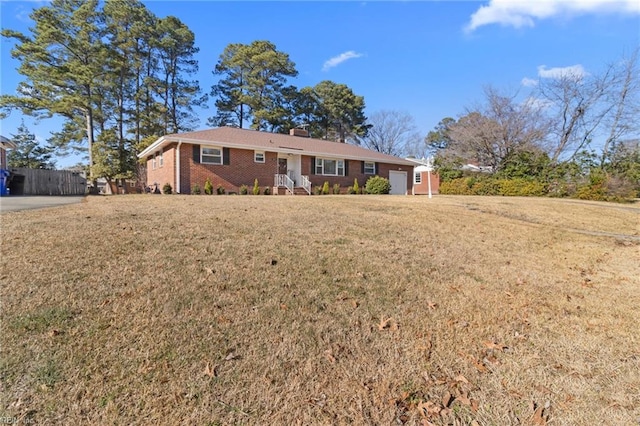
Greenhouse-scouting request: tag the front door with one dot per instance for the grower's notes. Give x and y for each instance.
(282, 166)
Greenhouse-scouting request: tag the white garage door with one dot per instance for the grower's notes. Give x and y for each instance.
(398, 181)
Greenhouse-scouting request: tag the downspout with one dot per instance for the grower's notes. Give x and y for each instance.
(178, 167)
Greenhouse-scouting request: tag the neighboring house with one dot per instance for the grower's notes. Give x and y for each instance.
(425, 180)
(118, 186)
(231, 157)
(5, 144)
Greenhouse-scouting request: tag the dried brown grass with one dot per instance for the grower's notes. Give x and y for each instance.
(321, 310)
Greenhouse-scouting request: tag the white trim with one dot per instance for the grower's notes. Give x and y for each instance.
(373, 172)
(177, 169)
(337, 161)
(202, 155)
(417, 176)
(255, 156)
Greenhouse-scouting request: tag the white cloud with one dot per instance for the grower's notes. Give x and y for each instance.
(573, 71)
(337, 60)
(529, 82)
(522, 13)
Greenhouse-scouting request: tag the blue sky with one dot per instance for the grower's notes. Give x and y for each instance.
(430, 59)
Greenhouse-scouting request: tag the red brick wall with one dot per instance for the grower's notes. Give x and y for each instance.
(164, 174)
(354, 172)
(423, 187)
(242, 170)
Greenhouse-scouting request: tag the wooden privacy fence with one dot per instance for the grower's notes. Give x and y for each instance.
(46, 182)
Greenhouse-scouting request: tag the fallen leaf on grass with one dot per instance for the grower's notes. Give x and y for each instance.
(231, 356)
(537, 418)
(329, 356)
(389, 323)
(494, 345)
(428, 408)
(446, 399)
(211, 371)
(460, 378)
(432, 305)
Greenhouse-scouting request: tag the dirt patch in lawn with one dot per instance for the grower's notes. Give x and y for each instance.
(321, 310)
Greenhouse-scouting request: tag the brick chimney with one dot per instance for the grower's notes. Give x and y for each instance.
(299, 132)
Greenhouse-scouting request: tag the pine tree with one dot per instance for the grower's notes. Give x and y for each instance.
(28, 152)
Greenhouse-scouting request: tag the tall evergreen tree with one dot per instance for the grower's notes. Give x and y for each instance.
(28, 152)
(252, 84)
(62, 61)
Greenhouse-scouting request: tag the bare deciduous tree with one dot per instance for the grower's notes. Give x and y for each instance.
(492, 132)
(584, 107)
(392, 132)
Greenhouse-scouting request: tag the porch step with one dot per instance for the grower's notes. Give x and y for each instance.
(300, 191)
(296, 191)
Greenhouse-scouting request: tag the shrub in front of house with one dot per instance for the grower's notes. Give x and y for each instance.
(377, 185)
(267, 190)
(336, 188)
(196, 189)
(356, 187)
(317, 190)
(220, 190)
(244, 189)
(350, 190)
(256, 187)
(167, 189)
(208, 187)
(325, 188)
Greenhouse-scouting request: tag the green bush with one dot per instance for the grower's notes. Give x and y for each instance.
(256, 187)
(220, 190)
(325, 188)
(267, 190)
(167, 189)
(455, 187)
(196, 189)
(350, 190)
(521, 187)
(208, 187)
(377, 185)
(317, 190)
(244, 190)
(336, 188)
(356, 187)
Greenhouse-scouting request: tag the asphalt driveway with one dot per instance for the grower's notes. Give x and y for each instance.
(16, 203)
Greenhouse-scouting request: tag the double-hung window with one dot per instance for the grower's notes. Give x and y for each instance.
(369, 168)
(258, 157)
(329, 167)
(211, 155)
(160, 159)
(417, 177)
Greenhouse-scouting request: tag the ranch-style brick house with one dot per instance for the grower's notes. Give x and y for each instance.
(289, 164)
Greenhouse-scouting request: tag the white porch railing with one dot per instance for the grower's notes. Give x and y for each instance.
(306, 184)
(284, 181)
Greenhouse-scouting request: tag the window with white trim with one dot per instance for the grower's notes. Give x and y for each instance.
(153, 161)
(258, 157)
(417, 177)
(210, 155)
(329, 167)
(160, 159)
(369, 168)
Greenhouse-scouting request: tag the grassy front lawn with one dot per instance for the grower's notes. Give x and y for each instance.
(321, 310)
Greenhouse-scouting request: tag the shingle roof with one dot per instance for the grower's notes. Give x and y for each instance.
(273, 142)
